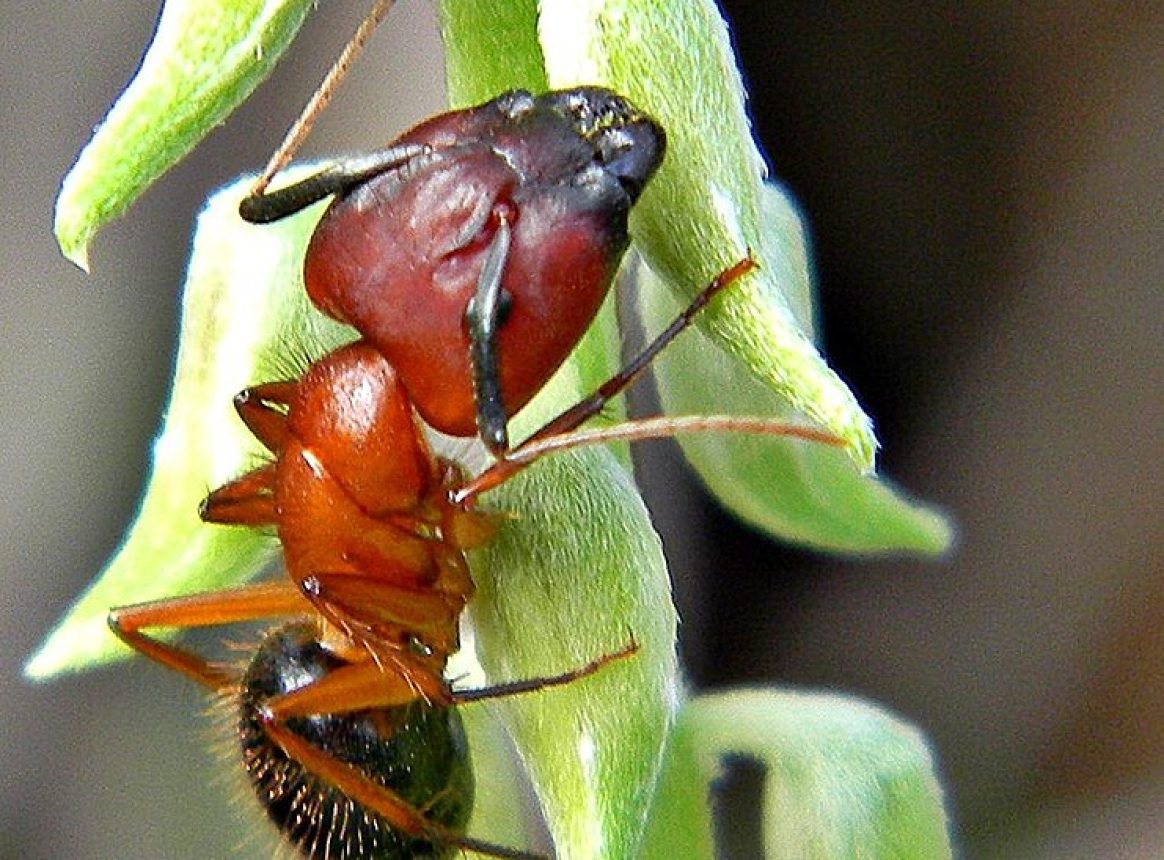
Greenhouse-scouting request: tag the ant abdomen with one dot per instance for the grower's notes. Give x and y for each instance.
(419, 751)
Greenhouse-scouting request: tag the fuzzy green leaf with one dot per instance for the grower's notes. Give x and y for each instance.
(243, 307)
(844, 779)
(490, 46)
(798, 491)
(580, 570)
(206, 57)
(702, 211)
(573, 577)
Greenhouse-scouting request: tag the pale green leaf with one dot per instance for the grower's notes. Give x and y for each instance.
(843, 780)
(574, 576)
(206, 57)
(799, 491)
(702, 211)
(243, 307)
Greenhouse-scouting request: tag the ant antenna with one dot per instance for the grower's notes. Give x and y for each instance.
(322, 96)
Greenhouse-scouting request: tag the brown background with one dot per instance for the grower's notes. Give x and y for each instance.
(985, 184)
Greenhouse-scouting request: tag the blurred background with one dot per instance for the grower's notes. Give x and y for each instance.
(985, 183)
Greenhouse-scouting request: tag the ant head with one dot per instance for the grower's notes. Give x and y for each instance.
(543, 183)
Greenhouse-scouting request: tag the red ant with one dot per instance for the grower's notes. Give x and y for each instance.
(470, 256)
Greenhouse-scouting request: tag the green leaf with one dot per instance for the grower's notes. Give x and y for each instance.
(702, 212)
(580, 569)
(490, 46)
(798, 491)
(243, 307)
(576, 574)
(844, 779)
(206, 57)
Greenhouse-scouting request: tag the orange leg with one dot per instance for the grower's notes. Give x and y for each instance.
(245, 501)
(365, 685)
(249, 603)
(381, 610)
(263, 409)
(357, 687)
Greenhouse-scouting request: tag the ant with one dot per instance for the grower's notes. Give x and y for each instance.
(374, 529)
(470, 256)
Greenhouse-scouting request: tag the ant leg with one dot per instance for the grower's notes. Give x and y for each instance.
(360, 686)
(246, 501)
(368, 684)
(323, 94)
(532, 685)
(585, 409)
(249, 603)
(481, 320)
(262, 207)
(263, 408)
